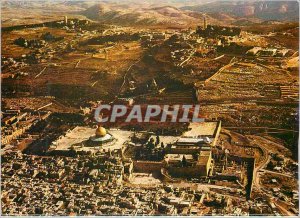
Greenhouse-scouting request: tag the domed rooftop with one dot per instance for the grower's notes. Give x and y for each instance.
(100, 131)
(101, 138)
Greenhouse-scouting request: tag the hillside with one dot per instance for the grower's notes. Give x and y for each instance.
(265, 10)
(166, 15)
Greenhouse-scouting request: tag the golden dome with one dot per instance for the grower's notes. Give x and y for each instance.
(100, 131)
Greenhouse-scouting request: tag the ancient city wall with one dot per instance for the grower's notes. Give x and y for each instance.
(147, 166)
(196, 172)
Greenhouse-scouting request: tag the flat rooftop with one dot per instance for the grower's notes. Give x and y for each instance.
(202, 129)
(178, 157)
(190, 140)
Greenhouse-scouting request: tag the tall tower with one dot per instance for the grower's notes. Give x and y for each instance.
(204, 22)
(106, 54)
(66, 20)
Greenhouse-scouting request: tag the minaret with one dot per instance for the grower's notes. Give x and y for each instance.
(66, 20)
(106, 54)
(204, 22)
